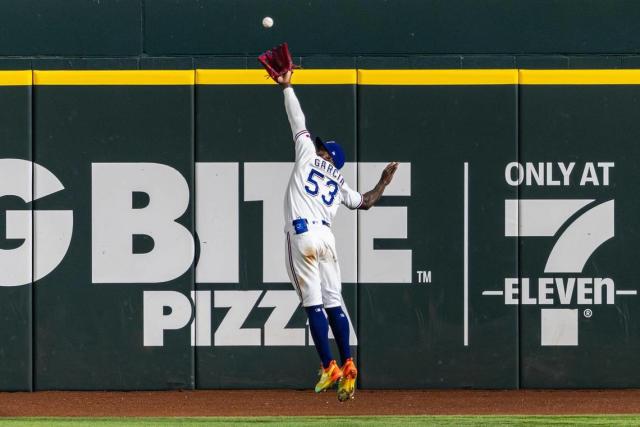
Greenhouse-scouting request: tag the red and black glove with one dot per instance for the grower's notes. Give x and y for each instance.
(277, 61)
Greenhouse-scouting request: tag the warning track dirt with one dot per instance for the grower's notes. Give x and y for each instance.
(306, 403)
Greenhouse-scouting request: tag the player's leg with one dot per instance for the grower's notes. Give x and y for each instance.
(331, 286)
(303, 269)
(332, 299)
(340, 327)
(339, 323)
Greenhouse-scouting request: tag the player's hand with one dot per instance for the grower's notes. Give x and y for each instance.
(285, 79)
(387, 173)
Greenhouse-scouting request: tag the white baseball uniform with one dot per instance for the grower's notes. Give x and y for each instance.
(315, 190)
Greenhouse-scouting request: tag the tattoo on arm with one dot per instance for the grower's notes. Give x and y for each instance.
(370, 198)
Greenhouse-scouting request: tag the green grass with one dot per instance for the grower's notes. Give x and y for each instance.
(439, 420)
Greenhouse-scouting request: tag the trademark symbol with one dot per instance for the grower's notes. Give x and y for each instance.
(588, 313)
(424, 276)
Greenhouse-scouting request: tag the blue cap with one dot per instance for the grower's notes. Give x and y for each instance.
(335, 151)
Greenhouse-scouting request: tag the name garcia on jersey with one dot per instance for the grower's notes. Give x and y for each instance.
(329, 169)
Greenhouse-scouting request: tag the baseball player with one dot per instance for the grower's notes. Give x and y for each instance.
(315, 191)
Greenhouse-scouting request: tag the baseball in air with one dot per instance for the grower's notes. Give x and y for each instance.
(267, 22)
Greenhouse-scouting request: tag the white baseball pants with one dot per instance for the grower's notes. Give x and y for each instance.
(312, 265)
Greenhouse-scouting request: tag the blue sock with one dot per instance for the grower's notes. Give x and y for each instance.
(320, 332)
(340, 327)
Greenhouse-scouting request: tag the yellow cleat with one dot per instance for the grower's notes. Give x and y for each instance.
(328, 377)
(347, 385)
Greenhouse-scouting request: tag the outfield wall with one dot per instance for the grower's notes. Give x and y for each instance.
(133, 28)
(144, 245)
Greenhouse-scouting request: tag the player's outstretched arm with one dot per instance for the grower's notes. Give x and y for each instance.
(292, 105)
(285, 79)
(370, 198)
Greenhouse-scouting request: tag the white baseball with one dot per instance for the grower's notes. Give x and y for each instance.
(267, 22)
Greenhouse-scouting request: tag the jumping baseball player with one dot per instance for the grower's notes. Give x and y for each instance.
(315, 191)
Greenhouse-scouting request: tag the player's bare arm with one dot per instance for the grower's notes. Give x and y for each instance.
(285, 80)
(370, 198)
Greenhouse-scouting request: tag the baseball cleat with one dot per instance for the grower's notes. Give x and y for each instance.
(347, 384)
(328, 376)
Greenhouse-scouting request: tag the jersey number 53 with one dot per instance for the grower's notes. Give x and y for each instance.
(314, 188)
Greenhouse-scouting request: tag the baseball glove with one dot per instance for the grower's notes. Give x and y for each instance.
(277, 61)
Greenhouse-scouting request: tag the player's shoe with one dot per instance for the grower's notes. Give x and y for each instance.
(347, 384)
(328, 376)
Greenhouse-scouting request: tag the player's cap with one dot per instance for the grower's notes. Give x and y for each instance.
(335, 151)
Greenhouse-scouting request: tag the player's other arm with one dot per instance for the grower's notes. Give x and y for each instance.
(292, 106)
(370, 198)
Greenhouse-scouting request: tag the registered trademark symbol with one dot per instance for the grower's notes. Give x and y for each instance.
(588, 313)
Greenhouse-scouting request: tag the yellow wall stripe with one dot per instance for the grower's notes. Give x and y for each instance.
(579, 77)
(321, 77)
(114, 77)
(437, 77)
(260, 77)
(16, 78)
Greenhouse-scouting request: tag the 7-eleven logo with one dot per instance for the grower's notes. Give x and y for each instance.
(579, 227)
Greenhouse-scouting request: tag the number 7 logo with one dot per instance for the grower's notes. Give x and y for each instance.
(578, 241)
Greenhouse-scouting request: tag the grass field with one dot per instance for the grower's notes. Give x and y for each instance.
(440, 420)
